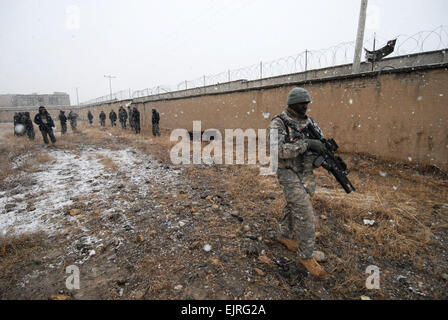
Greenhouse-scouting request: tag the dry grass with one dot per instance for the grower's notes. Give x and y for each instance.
(11, 147)
(107, 162)
(400, 204)
(14, 252)
(402, 215)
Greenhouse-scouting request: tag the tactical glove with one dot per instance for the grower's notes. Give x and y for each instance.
(315, 145)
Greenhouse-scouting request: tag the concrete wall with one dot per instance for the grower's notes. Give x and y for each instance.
(397, 115)
(400, 115)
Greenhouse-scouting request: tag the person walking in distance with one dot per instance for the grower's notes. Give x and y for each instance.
(63, 121)
(46, 125)
(113, 118)
(102, 118)
(136, 120)
(155, 123)
(90, 117)
(123, 117)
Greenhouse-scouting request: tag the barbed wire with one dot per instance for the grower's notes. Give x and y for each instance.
(307, 60)
(120, 95)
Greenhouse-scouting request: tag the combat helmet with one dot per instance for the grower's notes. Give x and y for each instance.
(298, 95)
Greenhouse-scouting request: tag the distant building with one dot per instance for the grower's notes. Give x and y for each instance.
(34, 100)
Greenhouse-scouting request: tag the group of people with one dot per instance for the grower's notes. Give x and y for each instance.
(24, 125)
(72, 117)
(132, 115)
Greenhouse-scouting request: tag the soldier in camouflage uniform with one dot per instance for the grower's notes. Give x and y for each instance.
(73, 118)
(63, 120)
(102, 118)
(295, 175)
(123, 117)
(113, 118)
(28, 125)
(130, 117)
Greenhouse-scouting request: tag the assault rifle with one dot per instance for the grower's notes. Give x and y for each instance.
(331, 162)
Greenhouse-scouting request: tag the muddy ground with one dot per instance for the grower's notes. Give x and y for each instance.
(139, 227)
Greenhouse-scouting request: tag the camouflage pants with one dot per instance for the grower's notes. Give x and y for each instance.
(73, 124)
(299, 212)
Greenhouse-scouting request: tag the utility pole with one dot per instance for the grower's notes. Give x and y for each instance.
(306, 60)
(374, 44)
(77, 96)
(360, 36)
(110, 84)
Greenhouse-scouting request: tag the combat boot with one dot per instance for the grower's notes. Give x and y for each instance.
(290, 244)
(314, 268)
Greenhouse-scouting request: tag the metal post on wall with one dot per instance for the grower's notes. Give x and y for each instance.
(360, 37)
(261, 69)
(77, 96)
(306, 63)
(374, 44)
(110, 83)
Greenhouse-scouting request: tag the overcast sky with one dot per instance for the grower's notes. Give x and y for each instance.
(57, 45)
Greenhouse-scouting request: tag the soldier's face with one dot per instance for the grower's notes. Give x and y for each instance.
(300, 108)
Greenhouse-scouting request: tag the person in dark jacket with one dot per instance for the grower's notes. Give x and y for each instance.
(123, 116)
(63, 120)
(113, 118)
(28, 123)
(46, 124)
(155, 122)
(90, 117)
(136, 120)
(131, 120)
(102, 118)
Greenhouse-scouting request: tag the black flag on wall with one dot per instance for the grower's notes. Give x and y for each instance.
(377, 55)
